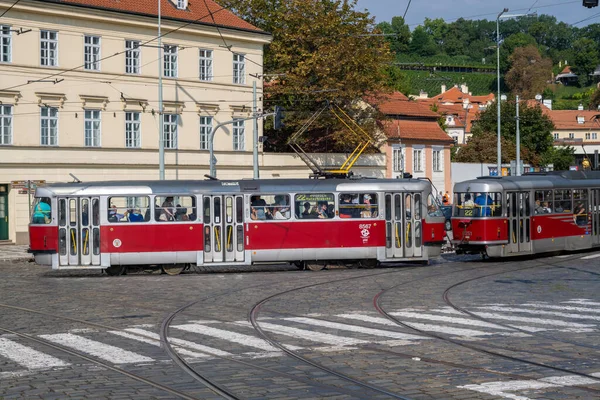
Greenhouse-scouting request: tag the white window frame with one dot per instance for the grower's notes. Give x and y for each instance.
(397, 158)
(6, 44)
(49, 48)
(418, 161)
(6, 125)
(437, 156)
(91, 52)
(133, 129)
(239, 69)
(170, 60)
(594, 136)
(170, 130)
(181, 4)
(48, 134)
(238, 135)
(205, 63)
(571, 135)
(556, 136)
(206, 127)
(92, 134)
(133, 57)
(588, 136)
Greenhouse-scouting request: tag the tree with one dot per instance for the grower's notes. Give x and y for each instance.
(438, 29)
(535, 127)
(585, 59)
(561, 157)
(529, 72)
(481, 148)
(594, 100)
(510, 44)
(421, 43)
(400, 41)
(326, 51)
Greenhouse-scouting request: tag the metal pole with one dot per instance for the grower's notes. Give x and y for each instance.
(212, 159)
(29, 196)
(518, 141)
(255, 132)
(161, 135)
(498, 99)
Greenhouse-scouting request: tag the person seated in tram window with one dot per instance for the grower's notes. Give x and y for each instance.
(580, 214)
(307, 211)
(180, 213)
(113, 214)
(253, 213)
(538, 209)
(484, 204)
(136, 215)
(167, 212)
(366, 211)
(277, 213)
(322, 210)
(42, 212)
(546, 207)
(260, 205)
(284, 208)
(331, 210)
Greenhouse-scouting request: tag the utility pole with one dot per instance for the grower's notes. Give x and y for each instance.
(255, 131)
(518, 141)
(161, 142)
(498, 99)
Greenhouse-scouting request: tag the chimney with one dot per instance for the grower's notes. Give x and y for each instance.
(423, 94)
(443, 88)
(464, 88)
(547, 103)
(580, 107)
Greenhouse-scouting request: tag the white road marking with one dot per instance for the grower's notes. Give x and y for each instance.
(308, 335)
(156, 343)
(239, 338)
(540, 312)
(501, 389)
(427, 327)
(104, 351)
(564, 308)
(521, 327)
(28, 357)
(590, 257)
(539, 321)
(184, 343)
(586, 302)
(354, 328)
(452, 320)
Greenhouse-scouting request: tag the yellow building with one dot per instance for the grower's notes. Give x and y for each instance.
(79, 93)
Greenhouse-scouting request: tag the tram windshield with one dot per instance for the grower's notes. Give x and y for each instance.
(42, 211)
(433, 207)
(477, 204)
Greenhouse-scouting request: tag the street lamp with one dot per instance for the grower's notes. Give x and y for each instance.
(501, 15)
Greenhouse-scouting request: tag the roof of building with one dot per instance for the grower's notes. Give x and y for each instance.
(205, 12)
(398, 104)
(415, 130)
(569, 119)
(455, 95)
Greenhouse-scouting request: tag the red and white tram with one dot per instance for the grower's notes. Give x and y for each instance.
(519, 215)
(172, 224)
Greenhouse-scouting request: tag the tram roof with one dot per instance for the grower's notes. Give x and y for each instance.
(540, 181)
(230, 186)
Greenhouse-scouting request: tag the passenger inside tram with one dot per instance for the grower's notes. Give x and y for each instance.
(42, 211)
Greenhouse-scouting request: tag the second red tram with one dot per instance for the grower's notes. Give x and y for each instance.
(537, 213)
(312, 223)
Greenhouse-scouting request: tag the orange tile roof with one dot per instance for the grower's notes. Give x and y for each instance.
(415, 130)
(567, 119)
(455, 95)
(197, 11)
(566, 70)
(397, 104)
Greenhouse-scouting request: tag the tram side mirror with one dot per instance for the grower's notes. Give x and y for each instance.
(407, 175)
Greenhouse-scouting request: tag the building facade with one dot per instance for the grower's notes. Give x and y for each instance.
(79, 94)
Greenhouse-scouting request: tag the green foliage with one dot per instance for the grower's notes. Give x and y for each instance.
(422, 43)
(561, 157)
(594, 100)
(510, 44)
(482, 148)
(586, 58)
(400, 41)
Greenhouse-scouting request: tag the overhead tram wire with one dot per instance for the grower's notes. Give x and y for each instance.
(9, 8)
(586, 19)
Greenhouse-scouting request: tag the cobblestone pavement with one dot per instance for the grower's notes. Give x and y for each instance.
(457, 329)
(13, 253)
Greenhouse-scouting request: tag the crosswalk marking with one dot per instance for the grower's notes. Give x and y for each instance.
(238, 338)
(156, 343)
(540, 312)
(184, 343)
(583, 301)
(454, 320)
(104, 351)
(354, 328)
(28, 357)
(562, 308)
(531, 329)
(538, 321)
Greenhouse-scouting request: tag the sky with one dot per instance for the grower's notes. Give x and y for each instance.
(569, 11)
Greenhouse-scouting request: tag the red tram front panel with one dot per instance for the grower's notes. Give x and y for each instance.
(479, 231)
(43, 238)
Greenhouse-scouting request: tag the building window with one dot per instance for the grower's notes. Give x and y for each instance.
(417, 160)
(437, 160)
(92, 128)
(397, 158)
(238, 135)
(594, 136)
(455, 138)
(170, 131)
(132, 57)
(6, 42)
(132, 130)
(587, 135)
(170, 61)
(239, 69)
(49, 48)
(182, 4)
(6, 116)
(206, 65)
(571, 136)
(205, 131)
(555, 136)
(91, 53)
(49, 126)
(580, 120)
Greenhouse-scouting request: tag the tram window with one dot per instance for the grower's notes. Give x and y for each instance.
(478, 204)
(175, 208)
(580, 207)
(239, 210)
(62, 212)
(358, 205)
(315, 205)
(388, 207)
(433, 208)
(543, 202)
(207, 210)
(73, 212)
(85, 212)
(42, 211)
(408, 206)
(270, 207)
(95, 212)
(562, 201)
(417, 206)
(129, 209)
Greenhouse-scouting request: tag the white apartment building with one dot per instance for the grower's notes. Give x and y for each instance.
(79, 93)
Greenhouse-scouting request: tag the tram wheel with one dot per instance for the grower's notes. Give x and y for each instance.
(173, 269)
(315, 266)
(115, 270)
(368, 264)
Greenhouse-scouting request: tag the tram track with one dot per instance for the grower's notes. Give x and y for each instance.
(377, 304)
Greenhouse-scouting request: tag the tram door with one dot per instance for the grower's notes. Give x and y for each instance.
(403, 225)
(79, 231)
(223, 229)
(519, 222)
(595, 210)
